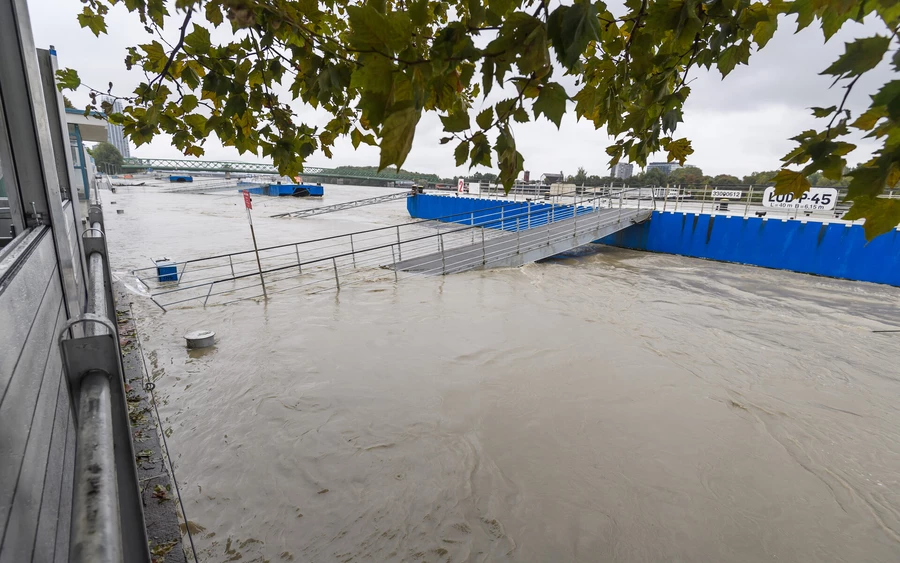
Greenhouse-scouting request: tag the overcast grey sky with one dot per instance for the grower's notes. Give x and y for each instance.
(737, 126)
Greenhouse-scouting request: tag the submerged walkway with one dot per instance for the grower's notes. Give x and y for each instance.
(496, 237)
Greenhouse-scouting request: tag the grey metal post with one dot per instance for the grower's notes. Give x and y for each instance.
(703, 201)
(299, 267)
(394, 258)
(353, 250)
(231, 264)
(501, 217)
(399, 248)
(529, 217)
(472, 224)
(575, 213)
(518, 236)
(483, 253)
(95, 519)
(337, 282)
(747, 205)
(443, 262)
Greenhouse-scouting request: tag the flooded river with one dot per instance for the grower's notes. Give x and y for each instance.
(610, 406)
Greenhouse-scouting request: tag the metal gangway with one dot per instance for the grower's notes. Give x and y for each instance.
(489, 238)
(345, 205)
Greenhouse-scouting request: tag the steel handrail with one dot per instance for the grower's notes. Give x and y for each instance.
(394, 227)
(582, 210)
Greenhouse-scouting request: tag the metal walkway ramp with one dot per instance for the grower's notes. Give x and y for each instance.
(345, 205)
(524, 246)
(495, 237)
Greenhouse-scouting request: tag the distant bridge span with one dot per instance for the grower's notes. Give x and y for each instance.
(194, 165)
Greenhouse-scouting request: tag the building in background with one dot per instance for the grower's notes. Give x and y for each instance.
(664, 167)
(84, 128)
(622, 171)
(116, 133)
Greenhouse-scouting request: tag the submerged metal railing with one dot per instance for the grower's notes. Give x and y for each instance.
(319, 210)
(331, 262)
(107, 512)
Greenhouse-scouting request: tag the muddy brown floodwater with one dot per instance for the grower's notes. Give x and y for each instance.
(610, 406)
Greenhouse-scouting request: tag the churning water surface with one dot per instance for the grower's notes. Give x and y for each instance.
(608, 406)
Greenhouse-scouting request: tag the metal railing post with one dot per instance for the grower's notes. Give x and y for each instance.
(501, 218)
(747, 205)
(336, 280)
(443, 261)
(483, 253)
(518, 237)
(394, 258)
(352, 250)
(472, 224)
(231, 263)
(299, 267)
(529, 217)
(575, 222)
(399, 248)
(666, 200)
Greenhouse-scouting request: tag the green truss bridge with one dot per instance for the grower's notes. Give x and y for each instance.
(183, 165)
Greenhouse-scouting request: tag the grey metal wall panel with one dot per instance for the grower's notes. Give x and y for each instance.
(21, 529)
(61, 554)
(73, 232)
(19, 301)
(45, 541)
(18, 406)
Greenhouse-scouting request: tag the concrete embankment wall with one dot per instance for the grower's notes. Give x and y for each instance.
(835, 250)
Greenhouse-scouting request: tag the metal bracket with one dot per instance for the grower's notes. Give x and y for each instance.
(93, 244)
(88, 353)
(95, 215)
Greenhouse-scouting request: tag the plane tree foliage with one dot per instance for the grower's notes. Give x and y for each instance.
(375, 66)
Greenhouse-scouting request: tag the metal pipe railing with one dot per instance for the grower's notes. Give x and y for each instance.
(382, 246)
(96, 537)
(96, 524)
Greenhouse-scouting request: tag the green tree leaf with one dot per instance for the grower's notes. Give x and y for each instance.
(790, 182)
(397, 135)
(881, 215)
(67, 79)
(485, 118)
(481, 150)
(456, 122)
(860, 56)
(551, 102)
(678, 150)
(93, 21)
(823, 112)
(461, 153)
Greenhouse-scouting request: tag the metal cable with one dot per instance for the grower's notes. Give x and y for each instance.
(149, 386)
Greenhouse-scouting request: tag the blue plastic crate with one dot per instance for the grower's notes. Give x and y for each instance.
(166, 270)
